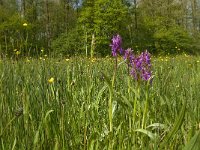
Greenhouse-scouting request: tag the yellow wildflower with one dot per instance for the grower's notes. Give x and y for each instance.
(51, 80)
(197, 61)
(67, 59)
(93, 60)
(17, 52)
(25, 24)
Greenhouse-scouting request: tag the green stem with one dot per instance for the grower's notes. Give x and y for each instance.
(62, 127)
(135, 104)
(145, 111)
(110, 105)
(115, 72)
(134, 115)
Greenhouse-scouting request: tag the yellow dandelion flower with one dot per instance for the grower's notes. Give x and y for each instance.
(17, 52)
(25, 24)
(93, 60)
(51, 80)
(66, 59)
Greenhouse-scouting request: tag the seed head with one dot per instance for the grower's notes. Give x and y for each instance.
(19, 112)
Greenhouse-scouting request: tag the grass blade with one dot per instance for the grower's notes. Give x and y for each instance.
(194, 143)
(176, 127)
(15, 141)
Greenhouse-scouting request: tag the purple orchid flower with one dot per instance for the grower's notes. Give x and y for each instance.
(116, 45)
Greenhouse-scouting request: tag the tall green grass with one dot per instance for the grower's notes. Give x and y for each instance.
(83, 109)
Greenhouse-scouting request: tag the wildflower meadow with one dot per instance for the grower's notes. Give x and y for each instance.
(126, 101)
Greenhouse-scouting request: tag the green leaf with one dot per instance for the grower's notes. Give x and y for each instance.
(176, 127)
(124, 100)
(14, 143)
(157, 125)
(148, 133)
(194, 143)
(101, 92)
(36, 137)
(91, 147)
(47, 114)
(135, 92)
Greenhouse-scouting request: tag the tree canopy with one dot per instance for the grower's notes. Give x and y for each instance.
(85, 27)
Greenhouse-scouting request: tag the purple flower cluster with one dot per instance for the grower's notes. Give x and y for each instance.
(116, 45)
(140, 66)
(128, 55)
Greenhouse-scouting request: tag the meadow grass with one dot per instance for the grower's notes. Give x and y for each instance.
(82, 109)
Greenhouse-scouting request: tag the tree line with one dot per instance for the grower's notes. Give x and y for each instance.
(85, 27)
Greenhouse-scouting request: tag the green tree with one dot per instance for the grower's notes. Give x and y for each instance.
(86, 24)
(111, 17)
(160, 28)
(99, 20)
(9, 21)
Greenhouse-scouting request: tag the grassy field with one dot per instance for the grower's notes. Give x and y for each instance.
(73, 104)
